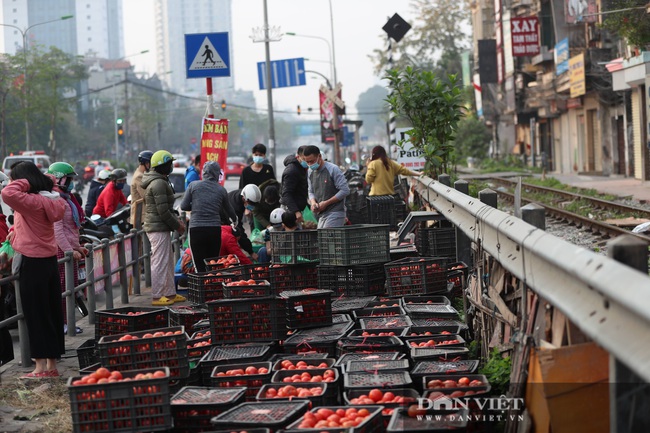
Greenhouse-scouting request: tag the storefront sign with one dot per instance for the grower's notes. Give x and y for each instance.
(561, 55)
(577, 75)
(214, 142)
(525, 36)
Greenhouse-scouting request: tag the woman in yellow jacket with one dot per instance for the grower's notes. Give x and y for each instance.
(382, 171)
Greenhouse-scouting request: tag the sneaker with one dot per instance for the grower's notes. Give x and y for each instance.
(78, 329)
(179, 298)
(162, 302)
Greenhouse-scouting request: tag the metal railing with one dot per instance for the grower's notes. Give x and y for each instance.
(607, 300)
(139, 264)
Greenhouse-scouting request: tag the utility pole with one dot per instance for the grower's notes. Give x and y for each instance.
(269, 87)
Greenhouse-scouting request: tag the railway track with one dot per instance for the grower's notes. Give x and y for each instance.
(596, 227)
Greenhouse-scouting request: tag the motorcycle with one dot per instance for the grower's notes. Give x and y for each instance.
(117, 222)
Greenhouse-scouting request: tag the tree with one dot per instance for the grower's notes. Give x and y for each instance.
(433, 108)
(435, 42)
(373, 111)
(633, 24)
(473, 138)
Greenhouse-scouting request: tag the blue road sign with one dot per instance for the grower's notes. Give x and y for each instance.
(207, 55)
(284, 73)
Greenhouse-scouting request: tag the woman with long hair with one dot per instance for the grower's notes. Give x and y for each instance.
(382, 171)
(36, 209)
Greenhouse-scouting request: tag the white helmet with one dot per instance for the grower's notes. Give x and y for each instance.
(251, 193)
(276, 215)
(104, 174)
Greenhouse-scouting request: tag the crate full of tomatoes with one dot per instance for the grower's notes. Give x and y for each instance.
(164, 347)
(207, 286)
(129, 319)
(113, 401)
(245, 320)
(358, 419)
(275, 415)
(416, 276)
(293, 277)
(222, 262)
(232, 354)
(317, 393)
(390, 399)
(308, 308)
(187, 316)
(193, 407)
(247, 289)
(199, 343)
(250, 375)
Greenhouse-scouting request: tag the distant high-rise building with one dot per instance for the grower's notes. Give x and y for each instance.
(96, 27)
(174, 19)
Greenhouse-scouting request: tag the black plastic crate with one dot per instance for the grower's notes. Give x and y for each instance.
(193, 407)
(203, 287)
(441, 420)
(302, 363)
(199, 343)
(87, 354)
(129, 319)
(436, 242)
(423, 368)
(219, 355)
(348, 305)
(354, 245)
(299, 344)
(294, 247)
(382, 332)
(372, 366)
(416, 276)
(340, 318)
(435, 341)
(381, 210)
(306, 356)
(124, 406)
(235, 289)
(294, 277)
(425, 299)
(369, 345)
(436, 311)
(245, 320)
(308, 308)
(254, 271)
(457, 275)
(327, 375)
(379, 312)
(252, 381)
(373, 423)
(377, 379)
(427, 331)
(187, 316)
(157, 348)
(410, 396)
(371, 357)
(272, 414)
(384, 322)
(336, 330)
(439, 382)
(439, 354)
(353, 281)
(269, 392)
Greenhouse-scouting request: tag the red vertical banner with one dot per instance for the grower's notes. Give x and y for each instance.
(214, 143)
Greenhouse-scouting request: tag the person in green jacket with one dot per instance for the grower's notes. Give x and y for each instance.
(159, 222)
(382, 171)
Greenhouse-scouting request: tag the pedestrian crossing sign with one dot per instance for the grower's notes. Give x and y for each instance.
(207, 55)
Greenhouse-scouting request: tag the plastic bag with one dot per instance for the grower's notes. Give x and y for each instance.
(257, 237)
(6, 256)
(308, 215)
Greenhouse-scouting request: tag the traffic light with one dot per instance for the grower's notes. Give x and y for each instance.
(223, 105)
(120, 128)
(298, 110)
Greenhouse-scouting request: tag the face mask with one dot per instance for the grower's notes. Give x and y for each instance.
(69, 187)
(314, 166)
(249, 207)
(119, 185)
(258, 159)
(304, 164)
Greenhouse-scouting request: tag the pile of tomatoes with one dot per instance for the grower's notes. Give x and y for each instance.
(287, 364)
(450, 383)
(288, 391)
(223, 262)
(334, 418)
(377, 396)
(328, 375)
(245, 371)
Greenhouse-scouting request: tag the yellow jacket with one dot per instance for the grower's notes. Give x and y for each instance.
(381, 180)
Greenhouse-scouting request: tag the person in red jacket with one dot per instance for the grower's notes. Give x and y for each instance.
(111, 197)
(230, 245)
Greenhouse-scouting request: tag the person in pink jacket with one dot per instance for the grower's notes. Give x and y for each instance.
(67, 229)
(36, 209)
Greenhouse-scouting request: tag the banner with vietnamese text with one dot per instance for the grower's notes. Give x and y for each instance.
(214, 143)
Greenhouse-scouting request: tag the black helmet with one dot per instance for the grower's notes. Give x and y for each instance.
(145, 156)
(118, 173)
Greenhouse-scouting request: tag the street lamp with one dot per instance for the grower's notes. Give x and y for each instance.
(329, 51)
(24, 35)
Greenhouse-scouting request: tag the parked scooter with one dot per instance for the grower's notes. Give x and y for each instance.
(117, 222)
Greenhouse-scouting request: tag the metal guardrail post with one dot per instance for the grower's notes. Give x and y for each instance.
(121, 258)
(147, 260)
(108, 276)
(90, 277)
(488, 197)
(23, 335)
(463, 242)
(628, 398)
(534, 215)
(135, 255)
(444, 179)
(70, 294)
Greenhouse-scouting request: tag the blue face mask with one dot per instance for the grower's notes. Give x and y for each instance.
(304, 164)
(249, 207)
(314, 166)
(119, 185)
(258, 159)
(70, 187)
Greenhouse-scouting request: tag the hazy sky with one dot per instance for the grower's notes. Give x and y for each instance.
(357, 31)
